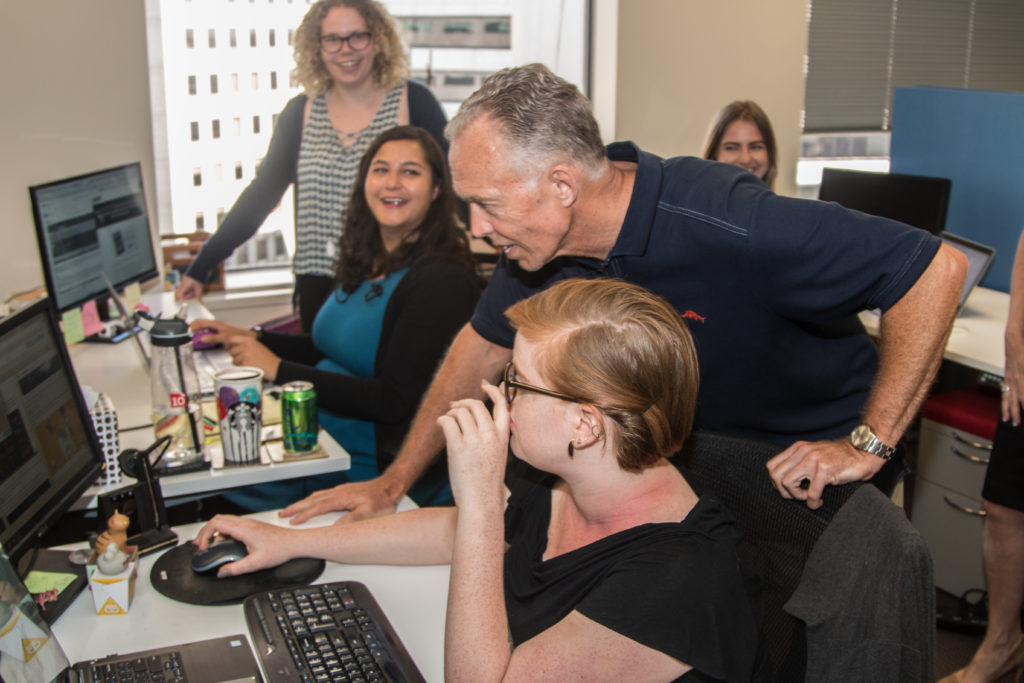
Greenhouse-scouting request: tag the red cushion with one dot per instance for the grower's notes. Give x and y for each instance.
(969, 410)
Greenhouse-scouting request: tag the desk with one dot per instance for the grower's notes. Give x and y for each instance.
(413, 598)
(115, 370)
(977, 337)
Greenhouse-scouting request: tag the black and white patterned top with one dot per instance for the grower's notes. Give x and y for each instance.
(327, 170)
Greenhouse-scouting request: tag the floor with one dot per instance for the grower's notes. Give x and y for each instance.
(953, 649)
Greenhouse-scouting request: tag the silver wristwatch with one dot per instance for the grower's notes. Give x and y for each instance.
(864, 439)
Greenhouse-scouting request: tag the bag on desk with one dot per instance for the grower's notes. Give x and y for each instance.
(28, 651)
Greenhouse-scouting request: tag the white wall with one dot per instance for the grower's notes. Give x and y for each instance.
(76, 99)
(680, 61)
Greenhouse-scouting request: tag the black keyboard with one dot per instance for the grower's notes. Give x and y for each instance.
(164, 668)
(326, 632)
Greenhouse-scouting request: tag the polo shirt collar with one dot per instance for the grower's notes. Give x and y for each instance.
(643, 202)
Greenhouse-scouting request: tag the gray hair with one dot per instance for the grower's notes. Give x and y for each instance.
(542, 117)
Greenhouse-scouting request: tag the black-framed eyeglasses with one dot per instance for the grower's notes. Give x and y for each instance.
(512, 384)
(333, 43)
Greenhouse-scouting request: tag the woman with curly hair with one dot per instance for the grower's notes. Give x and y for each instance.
(405, 283)
(355, 74)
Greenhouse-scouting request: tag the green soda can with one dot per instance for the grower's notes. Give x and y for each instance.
(298, 418)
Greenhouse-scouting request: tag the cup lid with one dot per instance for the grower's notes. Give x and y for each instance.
(170, 332)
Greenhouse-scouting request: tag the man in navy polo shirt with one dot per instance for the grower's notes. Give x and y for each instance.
(770, 286)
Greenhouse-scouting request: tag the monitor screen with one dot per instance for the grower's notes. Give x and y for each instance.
(49, 453)
(979, 256)
(916, 200)
(90, 226)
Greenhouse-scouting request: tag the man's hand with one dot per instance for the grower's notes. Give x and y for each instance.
(363, 499)
(821, 464)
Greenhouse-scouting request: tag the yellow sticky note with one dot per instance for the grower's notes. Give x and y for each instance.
(40, 581)
(72, 324)
(90, 319)
(132, 296)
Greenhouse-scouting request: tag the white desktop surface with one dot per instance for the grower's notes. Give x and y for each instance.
(117, 371)
(977, 337)
(413, 598)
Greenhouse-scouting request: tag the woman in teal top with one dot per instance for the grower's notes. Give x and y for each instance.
(406, 282)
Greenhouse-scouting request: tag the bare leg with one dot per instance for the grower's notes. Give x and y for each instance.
(1004, 575)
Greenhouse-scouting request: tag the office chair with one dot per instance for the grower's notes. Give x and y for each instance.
(847, 589)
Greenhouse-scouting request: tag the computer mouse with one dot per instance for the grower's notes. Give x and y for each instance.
(198, 338)
(216, 554)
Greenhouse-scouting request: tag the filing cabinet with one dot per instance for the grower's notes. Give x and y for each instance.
(947, 507)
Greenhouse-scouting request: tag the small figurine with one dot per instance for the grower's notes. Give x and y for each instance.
(116, 533)
(112, 561)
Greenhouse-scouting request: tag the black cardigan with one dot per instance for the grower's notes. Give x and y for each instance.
(428, 307)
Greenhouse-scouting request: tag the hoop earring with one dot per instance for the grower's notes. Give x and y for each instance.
(597, 434)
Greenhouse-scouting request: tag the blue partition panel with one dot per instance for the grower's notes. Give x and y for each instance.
(975, 138)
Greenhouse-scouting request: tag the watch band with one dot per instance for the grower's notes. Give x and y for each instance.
(863, 438)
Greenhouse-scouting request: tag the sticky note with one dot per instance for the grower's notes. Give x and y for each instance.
(71, 321)
(40, 581)
(90, 319)
(132, 296)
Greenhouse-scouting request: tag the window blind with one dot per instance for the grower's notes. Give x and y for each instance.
(859, 50)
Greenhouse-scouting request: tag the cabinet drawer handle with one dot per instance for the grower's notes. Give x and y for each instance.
(971, 458)
(961, 508)
(973, 444)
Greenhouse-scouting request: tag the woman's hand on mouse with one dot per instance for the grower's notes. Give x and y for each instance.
(267, 544)
(219, 331)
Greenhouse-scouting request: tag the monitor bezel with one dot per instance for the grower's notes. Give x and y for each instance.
(47, 517)
(44, 256)
(838, 175)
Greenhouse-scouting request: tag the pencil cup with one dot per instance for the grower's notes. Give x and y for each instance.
(240, 413)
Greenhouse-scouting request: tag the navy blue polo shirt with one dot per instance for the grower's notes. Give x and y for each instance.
(770, 288)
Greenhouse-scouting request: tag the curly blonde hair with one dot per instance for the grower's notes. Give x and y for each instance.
(390, 62)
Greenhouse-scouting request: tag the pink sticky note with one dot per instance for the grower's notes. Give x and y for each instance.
(90, 319)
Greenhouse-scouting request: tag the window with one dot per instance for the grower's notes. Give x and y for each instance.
(220, 176)
(191, 85)
(234, 82)
(252, 37)
(291, 37)
(499, 26)
(190, 41)
(216, 128)
(273, 80)
(200, 223)
(271, 38)
(458, 27)
(233, 38)
(459, 80)
(212, 39)
(213, 84)
(220, 216)
(238, 170)
(197, 176)
(256, 125)
(255, 81)
(237, 124)
(194, 126)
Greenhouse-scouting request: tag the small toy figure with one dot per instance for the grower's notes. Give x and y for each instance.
(112, 561)
(116, 533)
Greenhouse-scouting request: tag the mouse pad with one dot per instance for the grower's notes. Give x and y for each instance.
(172, 575)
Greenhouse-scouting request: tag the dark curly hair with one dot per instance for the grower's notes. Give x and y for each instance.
(361, 252)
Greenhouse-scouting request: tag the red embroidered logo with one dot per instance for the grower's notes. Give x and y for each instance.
(690, 315)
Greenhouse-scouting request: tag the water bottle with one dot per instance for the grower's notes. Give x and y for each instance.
(174, 384)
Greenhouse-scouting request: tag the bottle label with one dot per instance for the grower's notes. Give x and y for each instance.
(178, 400)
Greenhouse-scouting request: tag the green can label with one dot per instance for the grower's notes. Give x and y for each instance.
(299, 424)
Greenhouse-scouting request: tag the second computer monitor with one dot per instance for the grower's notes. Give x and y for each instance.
(90, 226)
(920, 201)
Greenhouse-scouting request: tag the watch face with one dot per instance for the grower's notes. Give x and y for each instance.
(861, 435)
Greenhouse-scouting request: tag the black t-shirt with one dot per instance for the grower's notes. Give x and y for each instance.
(675, 587)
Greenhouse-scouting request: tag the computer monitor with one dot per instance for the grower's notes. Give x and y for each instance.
(49, 453)
(979, 256)
(91, 226)
(920, 201)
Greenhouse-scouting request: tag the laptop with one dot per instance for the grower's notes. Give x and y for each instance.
(227, 659)
(979, 257)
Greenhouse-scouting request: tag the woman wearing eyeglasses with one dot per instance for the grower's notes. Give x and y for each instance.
(589, 557)
(350, 61)
(406, 282)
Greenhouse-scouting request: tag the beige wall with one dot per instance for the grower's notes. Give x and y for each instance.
(76, 99)
(680, 61)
